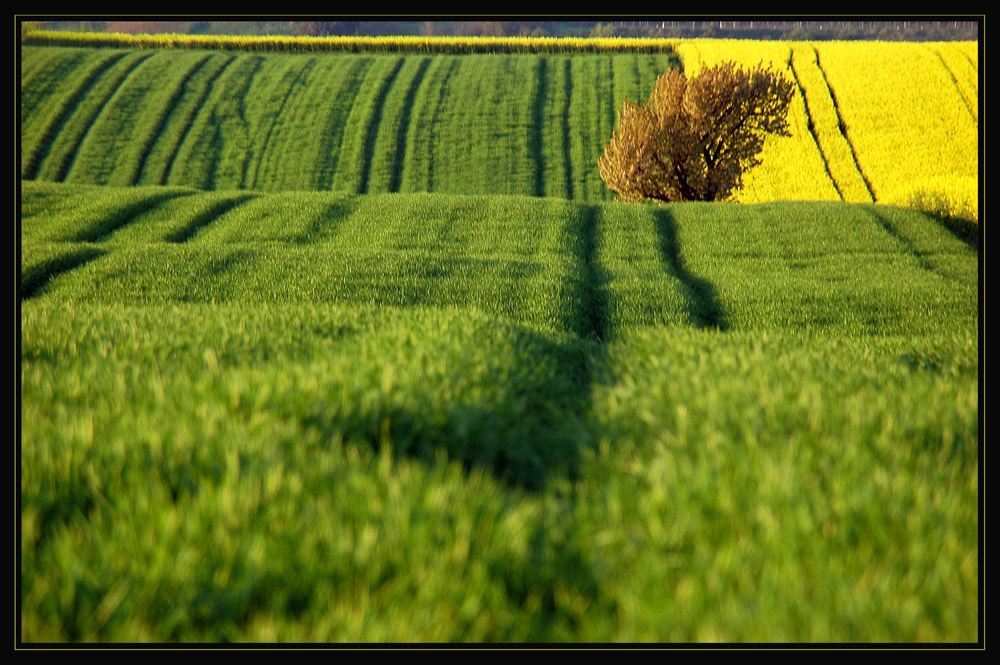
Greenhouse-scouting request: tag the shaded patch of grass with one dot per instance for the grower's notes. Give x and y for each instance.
(35, 277)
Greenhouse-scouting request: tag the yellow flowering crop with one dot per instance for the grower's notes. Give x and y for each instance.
(873, 121)
(905, 115)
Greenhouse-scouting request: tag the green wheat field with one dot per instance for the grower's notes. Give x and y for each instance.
(357, 347)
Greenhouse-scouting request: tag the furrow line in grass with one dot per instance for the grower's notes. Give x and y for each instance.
(101, 229)
(293, 152)
(595, 299)
(551, 129)
(566, 139)
(218, 147)
(44, 64)
(59, 119)
(610, 114)
(420, 117)
(335, 212)
(843, 127)
(130, 125)
(606, 114)
(403, 130)
(70, 160)
(622, 89)
(225, 264)
(241, 112)
(270, 97)
(44, 72)
(436, 137)
(907, 245)
(426, 136)
(332, 136)
(302, 73)
(593, 101)
(371, 131)
(537, 146)
(161, 123)
(812, 125)
(35, 278)
(704, 308)
(958, 88)
(198, 223)
(360, 127)
(185, 133)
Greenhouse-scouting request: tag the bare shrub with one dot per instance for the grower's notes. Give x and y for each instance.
(694, 138)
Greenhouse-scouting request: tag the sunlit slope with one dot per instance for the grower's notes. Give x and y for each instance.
(317, 416)
(484, 124)
(874, 120)
(586, 269)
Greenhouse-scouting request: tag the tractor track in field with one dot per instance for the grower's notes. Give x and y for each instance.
(302, 73)
(199, 222)
(843, 127)
(34, 280)
(189, 123)
(175, 100)
(965, 100)
(70, 160)
(49, 134)
(811, 126)
(371, 130)
(399, 159)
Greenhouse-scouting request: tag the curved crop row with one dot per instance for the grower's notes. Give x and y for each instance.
(477, 124)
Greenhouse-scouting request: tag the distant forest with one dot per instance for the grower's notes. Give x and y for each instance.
(897, 30)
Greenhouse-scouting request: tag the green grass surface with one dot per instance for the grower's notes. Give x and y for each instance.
(585, 269)
(520, 124)
(432, 417)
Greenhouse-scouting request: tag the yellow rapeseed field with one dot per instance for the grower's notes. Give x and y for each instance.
(837, 151)
(885, 121)
(962, 63)
(903, 111)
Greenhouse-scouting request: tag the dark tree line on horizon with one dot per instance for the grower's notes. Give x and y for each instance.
(896, 30)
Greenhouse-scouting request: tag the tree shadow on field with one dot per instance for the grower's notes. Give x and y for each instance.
(965, 230)
(592, 296)
(704, 308)
(508, 397)
(517, 409)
